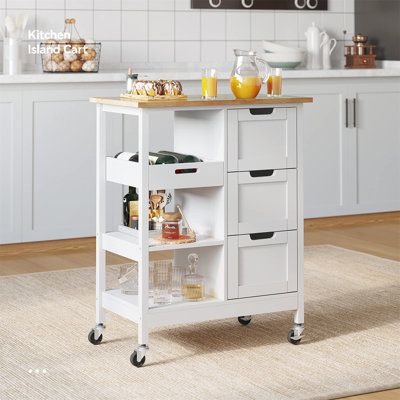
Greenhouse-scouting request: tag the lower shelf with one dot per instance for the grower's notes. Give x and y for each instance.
(128, 246)
(189, 312)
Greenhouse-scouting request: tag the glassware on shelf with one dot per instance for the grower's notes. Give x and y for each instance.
(209, 84)
(276, 82)
(178, 272)
(128, 278)
(162, 275)
(193, 287)
(246, 80)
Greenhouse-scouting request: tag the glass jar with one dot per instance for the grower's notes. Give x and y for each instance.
(246, 80)
(193, 287)
(172, 226)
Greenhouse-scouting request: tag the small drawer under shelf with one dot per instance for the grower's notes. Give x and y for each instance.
(171, 176)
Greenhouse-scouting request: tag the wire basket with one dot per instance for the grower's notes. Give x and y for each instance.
(70, 57)
(71, 54)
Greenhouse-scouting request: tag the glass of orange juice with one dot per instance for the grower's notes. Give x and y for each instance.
(276, 82)
(209, 84)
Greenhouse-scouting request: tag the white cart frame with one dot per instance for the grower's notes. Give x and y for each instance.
(145, 177)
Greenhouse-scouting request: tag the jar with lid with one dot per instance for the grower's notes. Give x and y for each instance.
(172, 226)
(193, 287)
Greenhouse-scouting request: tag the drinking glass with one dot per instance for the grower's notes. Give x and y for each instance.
(276, 82)
(162, 282)
(128, 278)
(178, 272)
(209, 84)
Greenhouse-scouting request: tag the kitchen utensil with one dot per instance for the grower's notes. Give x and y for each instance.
(10, 25)
(189, 228)
(246, 79)
(313, 35)
(327, 45)
(360, 54)
(156, 200)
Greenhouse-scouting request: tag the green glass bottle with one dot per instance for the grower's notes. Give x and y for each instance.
(130, 202)
(182, 158)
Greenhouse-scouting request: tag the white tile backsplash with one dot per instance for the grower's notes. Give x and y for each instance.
(238, 25)
(187, 51)
(161, 25)
(134, 25)
(286, 26)
(162, 51)
(168, 31)
(107, 25)
(262, 25)
(187, 25)
(213, 25)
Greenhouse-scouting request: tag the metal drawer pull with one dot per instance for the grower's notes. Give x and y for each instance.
(261, 111)
(261, 172)
(262, 235)
(347, 113)
(355, 113)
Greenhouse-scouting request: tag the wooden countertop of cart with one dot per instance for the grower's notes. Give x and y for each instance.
(197, 101)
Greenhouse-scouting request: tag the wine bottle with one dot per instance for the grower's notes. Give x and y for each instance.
(182, 158)
(154, 158)
(130, 204)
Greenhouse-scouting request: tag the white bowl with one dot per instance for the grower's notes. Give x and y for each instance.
(279, 48)
(283, 60)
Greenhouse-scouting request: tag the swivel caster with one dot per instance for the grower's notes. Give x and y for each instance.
(95, 336)
(295, 335)
(245, 320)
(138, 357)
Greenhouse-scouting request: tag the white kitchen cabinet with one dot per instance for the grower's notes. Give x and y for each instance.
(377, 133)
(10, 166)
(351, 162)
(59, 141)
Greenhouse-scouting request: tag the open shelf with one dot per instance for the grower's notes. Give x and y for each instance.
(127, 305)
(128, 246)
(171, 176)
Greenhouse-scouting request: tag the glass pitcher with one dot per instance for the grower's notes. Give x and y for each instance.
(246, 80)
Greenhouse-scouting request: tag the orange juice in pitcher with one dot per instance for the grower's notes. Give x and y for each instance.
(246, 80)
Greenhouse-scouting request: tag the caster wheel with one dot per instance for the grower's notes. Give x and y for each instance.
(93, 340)
(290, 337)
(135, 362)
(244, 320)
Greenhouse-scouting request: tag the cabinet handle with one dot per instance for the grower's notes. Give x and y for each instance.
(263, 235)
(261, 111)
(347, 113)
(354, 113)
(186, 171)
(261, 172)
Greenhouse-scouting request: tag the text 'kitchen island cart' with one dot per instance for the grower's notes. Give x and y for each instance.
(244, 201)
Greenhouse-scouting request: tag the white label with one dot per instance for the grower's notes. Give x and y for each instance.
(125, 155)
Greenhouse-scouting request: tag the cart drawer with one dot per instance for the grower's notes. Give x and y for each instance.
(261, 201)
(262, 264)
(261, 138)
(170, 176)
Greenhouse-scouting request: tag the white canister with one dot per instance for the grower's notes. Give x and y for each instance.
(12, 56)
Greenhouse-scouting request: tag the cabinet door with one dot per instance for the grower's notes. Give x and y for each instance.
(262, 264)
(328, 147)
(59, 165)
(378, 150)
(10, 166)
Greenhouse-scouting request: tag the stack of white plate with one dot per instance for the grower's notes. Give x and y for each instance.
(280, 56)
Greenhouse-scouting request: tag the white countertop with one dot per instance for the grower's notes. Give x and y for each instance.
(390, 69)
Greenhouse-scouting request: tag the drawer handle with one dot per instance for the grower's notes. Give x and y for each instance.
(261, 172)
(186, 171)
(262, 235)
(261, 111)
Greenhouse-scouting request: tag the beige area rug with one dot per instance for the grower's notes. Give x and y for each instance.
(351, 344)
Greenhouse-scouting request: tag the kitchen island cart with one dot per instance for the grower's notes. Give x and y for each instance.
(244, 201)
